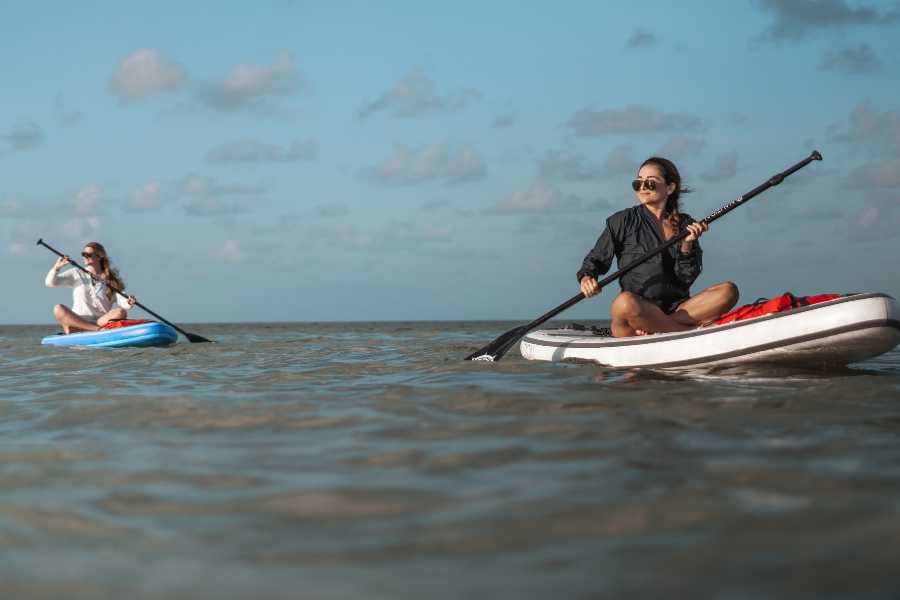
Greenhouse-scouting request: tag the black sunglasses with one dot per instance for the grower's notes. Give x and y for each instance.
(88, 254)
(648, 184)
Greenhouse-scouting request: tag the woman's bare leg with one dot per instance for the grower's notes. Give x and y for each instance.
(708, 305)
(631, 315)
(70, 321)
(113, 315)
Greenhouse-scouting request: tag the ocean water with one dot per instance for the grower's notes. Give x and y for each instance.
(368, 460)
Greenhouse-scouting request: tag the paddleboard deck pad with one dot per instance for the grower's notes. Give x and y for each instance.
(149, 333)
(837, 332)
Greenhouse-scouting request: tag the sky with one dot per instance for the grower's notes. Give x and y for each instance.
(358, 161)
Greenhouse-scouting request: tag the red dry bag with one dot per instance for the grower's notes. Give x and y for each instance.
(767, 306)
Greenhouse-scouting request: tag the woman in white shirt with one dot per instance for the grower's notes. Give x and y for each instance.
(92, 299)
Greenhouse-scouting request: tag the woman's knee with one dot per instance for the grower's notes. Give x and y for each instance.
(728, 292)
(626, 304)
(59, 311)
(116, 313)
(731, 291)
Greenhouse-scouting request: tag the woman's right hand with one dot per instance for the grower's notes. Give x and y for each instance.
(589, 286)
(60, 263)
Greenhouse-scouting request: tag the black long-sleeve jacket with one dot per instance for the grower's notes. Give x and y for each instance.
(664, 279)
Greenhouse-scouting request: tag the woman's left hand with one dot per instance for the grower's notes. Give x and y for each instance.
(696, 229)
(131, 301)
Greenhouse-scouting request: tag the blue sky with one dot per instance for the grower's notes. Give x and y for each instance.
(409, 160)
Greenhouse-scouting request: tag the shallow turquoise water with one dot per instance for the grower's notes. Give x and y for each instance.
(368, 460)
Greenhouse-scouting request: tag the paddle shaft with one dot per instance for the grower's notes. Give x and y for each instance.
(191, 336)
(513, 336)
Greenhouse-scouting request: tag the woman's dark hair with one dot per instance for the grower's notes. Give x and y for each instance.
(107, 272)
(671, 175)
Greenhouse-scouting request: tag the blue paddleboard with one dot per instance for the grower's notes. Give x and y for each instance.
(151, 333)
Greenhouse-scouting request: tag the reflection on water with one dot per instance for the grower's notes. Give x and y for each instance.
(369, 460)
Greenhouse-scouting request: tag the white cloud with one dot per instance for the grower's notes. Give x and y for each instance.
(195, 184)
(631, 120)
(402, 234)
(146, 197)
(566, 165)
(206, 197)
(198, 185)
(861, 59)
(879, 134)
(539, 198)
(251, 151)
(73, 228)
(342, 236)
(415, 95)
(81, 228)
(820, 213)
(10, 208)
(542, 198)
(396, 235)
(438, 162)
(214, 207)
(876, 174)
(65, 116)
(562, 164)
(869, 216)
(503, 121)
(725, 167)
(249, 85)
(640, 39)
(619, 161)
(25, 136)
(230, 251)
(87, 200)
(144, 73)
(793, 18)
(82, 203)
(878, 219)
(868, 126)
(682, 146)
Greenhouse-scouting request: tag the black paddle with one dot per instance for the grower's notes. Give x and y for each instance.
(500, 346)
(193, 337)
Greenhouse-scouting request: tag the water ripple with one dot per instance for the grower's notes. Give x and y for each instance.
(369, 460)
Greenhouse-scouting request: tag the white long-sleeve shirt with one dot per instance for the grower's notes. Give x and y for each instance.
(89, 297)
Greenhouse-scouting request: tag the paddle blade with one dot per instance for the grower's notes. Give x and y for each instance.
(195, 339)
(500, 346)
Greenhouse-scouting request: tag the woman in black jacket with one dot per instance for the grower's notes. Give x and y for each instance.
(655, 295)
